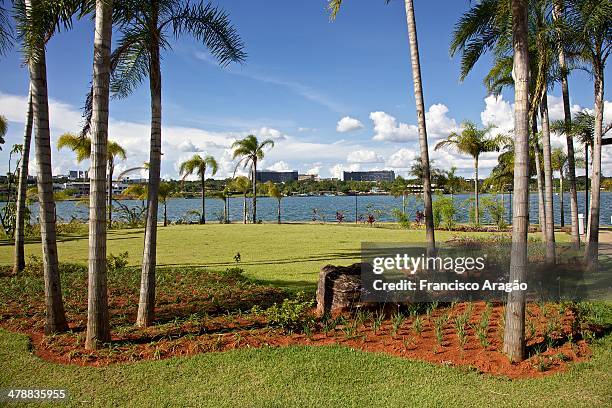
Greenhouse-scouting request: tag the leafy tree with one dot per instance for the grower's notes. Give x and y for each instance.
(473, 141)
(274, 192)
(250, 152)
(243, 185)
(144, 29)
(198, 164)
(3, 130)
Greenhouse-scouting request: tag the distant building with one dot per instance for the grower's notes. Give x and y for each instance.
(276, 176)
(378, 175)
(78, 175)
(119, 188)
(308, 177)
(81, 187)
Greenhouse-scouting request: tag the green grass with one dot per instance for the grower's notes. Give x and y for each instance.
(288, 255)
(302, 376)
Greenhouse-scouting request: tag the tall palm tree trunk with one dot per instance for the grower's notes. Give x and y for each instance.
(592, 238)
(514, 331)
(567, 114)
(244, 208)
(561, 199)
(586, 182)
(420, 110)
(539, 178)
(146, 303)
(98, 329)
(203, 216)
(548, 182)
(21, 190)
(55, 314)
(255, 191)
(476, 209)
(109, 187)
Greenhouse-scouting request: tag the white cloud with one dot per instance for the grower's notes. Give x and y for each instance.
(269, 133)
(438, 123)
(314, 170)
(364, 156)
(498, 113)
(348, 124)
(401, 159)
(387, 129)
(279, 166)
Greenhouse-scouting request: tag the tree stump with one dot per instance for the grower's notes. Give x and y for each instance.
(339, 289)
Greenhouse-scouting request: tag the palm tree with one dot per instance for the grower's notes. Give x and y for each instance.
(198, 165)
(3, 130)
(251, 151)
(243, 185)
(6, 34)
(165, 191)
(98, 328)
(36, 22)
(590, 24)
(82, 146)
(560, 163)
(334, 7)
(274, 192)
(558, 14)
(514, 331)
(22, 186)
(145, 26)
(473, 141)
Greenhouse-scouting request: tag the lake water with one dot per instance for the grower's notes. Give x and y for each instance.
(302, 208)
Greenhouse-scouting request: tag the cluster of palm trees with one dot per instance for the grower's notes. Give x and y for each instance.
(249, 151)
(145, 27)
(535, 44)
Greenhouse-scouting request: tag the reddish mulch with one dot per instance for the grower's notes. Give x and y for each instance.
(550, 353)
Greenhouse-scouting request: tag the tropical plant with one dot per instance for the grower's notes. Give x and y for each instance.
(589, 24)
(250, 152)
(514, 332)
(243, 185)
(37, 21)
(102, 155)
(274, 192)
(165, 192)
(473, 141)
(144, 28)
(198, 164)
(82, 147)
(334, 7)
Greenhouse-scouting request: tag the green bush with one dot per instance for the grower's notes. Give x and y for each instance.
(114, 262)
(401, 218)
(234, 272)
(444, 212)
(292, 314)
(496, 210)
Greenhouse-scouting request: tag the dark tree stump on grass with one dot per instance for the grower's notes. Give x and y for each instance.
(339, 289)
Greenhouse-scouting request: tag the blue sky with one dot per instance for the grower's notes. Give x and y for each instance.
(302, 76)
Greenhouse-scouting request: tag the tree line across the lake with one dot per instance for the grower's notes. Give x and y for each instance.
(534, 45)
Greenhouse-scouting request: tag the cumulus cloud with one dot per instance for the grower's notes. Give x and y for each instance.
(338, 169)
(387, 129)
(439, 125)
(364, 156)
(348, 124)
(401, 159)
(498, 113)
(269, 133)
(279, 166)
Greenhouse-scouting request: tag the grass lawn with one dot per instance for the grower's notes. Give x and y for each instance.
(287, 255)
(302, 376)
(290, 256)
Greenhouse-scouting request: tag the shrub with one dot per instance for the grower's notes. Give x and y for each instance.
(114, 262)
(496, 210)
(444, 212)
(292, 314)
(401, 218)
(234, 272)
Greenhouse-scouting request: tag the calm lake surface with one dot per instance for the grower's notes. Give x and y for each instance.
(302, 208)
